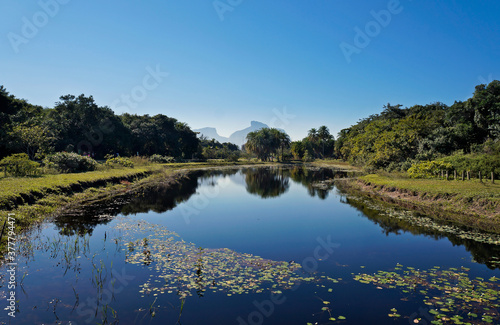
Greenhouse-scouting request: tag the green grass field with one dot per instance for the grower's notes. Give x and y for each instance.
(466, 189)
(13, 187)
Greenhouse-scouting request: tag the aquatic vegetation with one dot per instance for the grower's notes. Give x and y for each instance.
(181, 267)
(454, 297)
(424, 222)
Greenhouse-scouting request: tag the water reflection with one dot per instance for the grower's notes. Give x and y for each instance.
(267, 183)
(481, 252)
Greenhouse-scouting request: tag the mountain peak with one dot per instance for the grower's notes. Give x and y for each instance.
(257, 124)
(238, 137)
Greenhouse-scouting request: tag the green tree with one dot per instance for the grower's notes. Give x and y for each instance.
(265, 142)
(32, 139)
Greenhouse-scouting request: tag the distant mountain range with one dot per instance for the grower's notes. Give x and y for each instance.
(238, 137)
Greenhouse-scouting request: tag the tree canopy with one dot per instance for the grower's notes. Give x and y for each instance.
(78, 124)
(397, 137)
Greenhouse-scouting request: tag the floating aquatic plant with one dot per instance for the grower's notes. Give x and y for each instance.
(454, 297)
(181, 267)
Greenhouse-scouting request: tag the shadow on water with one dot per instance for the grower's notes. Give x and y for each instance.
(481, 252)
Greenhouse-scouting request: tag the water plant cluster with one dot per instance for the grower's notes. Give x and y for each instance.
(418, 220)
(181, 267)
(452, 296)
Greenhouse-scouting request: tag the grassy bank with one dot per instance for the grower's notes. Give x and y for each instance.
(33, 199)
(468, 203)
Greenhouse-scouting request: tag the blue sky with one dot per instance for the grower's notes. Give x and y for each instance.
(225, 63)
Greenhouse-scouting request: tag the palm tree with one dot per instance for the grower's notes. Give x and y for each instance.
(283, 140)
(324, 135)
(313, 134)
(266, 141)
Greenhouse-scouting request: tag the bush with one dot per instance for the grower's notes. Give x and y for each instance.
(70, 162)
(307, 157)
(119, 161)
(19, 164)
(233, 157)
(428, 169)
(140, 161)
(161, 159)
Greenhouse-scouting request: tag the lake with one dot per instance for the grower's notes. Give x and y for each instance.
(266, 245)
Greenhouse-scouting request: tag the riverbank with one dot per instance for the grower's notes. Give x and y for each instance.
(34, 199)
(470, 203)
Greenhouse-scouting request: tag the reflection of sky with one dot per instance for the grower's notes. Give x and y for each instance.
(288, 227)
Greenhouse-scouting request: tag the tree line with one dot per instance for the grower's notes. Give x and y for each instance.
(398, 138)
(465, 133)
(77, 124)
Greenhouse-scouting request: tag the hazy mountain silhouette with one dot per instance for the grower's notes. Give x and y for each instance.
(238, 137)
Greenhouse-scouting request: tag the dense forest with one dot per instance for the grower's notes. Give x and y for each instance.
(78, 124)
(397, 138)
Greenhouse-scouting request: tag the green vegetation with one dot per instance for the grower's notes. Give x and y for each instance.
(454, 297)
(471, 203)
(183, 267)
(119, 162)
(267, 142)
(68, 162)
(19, 165)
(435, 187)
(161, 159)
(398, 138)
(318, 144)
(18, 191)
(79, 125)
(213, 149)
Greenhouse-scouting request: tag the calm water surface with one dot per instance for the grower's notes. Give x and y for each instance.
(292, 236)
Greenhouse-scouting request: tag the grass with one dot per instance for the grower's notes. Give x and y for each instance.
(335, 163)
(471, 203)
(33, 199)
(14, 188)
(467, 189)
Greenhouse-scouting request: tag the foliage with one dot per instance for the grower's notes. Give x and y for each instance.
(319, 143)
(307, 157)
(233, 157)
(161, 159)
(486, 163)
(448, 292)
(213, 149)
(19, 165)
(69, 162)
(427, 169)
(32, 138)
(119, 161)
(266, 142)
(396, 136)
(79, 124)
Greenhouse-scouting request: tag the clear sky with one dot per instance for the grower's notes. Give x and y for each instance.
(290, 64)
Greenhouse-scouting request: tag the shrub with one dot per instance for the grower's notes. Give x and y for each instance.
(140, 161)
(307, 156)
(19, 164)
(119, 161)
(70, 162)
(427, 169)
(233, 157)
(161, 159)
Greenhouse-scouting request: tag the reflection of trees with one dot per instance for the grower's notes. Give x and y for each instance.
(481, 252)
(262, 181)
(163, 198)
(309, 178)
(266, 182)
